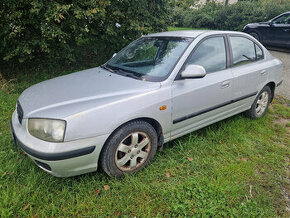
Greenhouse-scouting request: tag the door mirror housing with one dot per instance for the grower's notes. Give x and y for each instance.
(193, 71)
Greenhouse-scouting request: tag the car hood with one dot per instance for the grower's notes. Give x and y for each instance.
(257, 24)
(70, 94)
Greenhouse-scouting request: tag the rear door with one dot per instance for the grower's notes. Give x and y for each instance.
(248, 69)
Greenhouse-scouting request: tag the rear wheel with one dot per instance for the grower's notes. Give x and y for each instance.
(261, 104)
(129, 149)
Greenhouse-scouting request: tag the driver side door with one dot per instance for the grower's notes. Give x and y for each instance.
(279, 33)
(197, 102)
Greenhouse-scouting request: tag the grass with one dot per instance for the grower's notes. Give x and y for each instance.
(237, 167)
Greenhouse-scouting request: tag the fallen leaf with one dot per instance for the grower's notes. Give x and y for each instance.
(220, 141)
(117, 213)
(27, 207)
(106, 187)
(35, 216)
(167, 175)
(244, 159)
(6, 173)
(192, 211)
(190, 159)
(97, 192)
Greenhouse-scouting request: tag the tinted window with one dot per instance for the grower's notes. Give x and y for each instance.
(285, 19)
(243, 50)
(211, 54)
(259, 53)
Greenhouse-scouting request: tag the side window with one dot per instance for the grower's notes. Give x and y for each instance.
(243, 50)
(211, 54)
(284, 19)
(259, 53)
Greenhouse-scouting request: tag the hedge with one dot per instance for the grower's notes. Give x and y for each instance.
(74, 30)
(233, 17)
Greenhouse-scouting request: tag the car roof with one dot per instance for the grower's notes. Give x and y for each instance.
(190, 33)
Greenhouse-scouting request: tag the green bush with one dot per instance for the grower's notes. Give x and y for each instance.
(233, 17)
(74, 31)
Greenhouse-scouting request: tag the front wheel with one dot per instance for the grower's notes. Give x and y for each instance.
(260, 105)
(255, 35)
(129, 149)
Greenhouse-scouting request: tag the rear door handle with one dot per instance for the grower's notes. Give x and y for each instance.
(225, 84)
(263, 72)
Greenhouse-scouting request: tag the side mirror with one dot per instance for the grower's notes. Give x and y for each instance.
(271, 23)
(193, 71)
(114, 55)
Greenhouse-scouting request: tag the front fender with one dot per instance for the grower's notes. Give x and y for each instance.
(104, 119)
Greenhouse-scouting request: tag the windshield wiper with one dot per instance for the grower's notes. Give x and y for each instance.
(126, 72)
(107, 68)
(250, 59)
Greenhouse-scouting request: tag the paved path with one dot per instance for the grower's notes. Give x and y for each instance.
(284, 89)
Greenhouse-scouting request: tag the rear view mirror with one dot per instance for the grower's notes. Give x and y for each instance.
(193, 71)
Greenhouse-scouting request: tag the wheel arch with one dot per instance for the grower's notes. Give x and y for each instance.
(155, 124)
(272, 86)
(257, 32)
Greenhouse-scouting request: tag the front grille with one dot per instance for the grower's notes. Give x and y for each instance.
(19, 112)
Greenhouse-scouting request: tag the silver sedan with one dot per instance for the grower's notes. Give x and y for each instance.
(158, 88)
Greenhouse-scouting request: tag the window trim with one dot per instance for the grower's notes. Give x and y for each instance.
(281, 15)
(228, 59)
(231, 49)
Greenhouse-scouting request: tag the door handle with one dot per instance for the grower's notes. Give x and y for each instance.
(263, 72)
(225, 84)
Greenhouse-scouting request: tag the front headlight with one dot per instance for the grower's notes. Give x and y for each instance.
(47, 129)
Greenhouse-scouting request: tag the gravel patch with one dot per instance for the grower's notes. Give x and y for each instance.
(284, 88)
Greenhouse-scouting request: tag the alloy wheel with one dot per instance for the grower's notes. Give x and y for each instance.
(262, 103)
(133, 151)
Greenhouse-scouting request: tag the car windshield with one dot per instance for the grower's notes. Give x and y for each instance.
(148, 58)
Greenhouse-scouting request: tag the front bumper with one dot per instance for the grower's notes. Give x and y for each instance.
(59, 159)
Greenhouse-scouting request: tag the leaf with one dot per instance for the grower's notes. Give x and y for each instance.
(117, 213)
(97, 192)
(167, 175)
(190, 159)
(27, 207)
(244, 159)
(106, 187)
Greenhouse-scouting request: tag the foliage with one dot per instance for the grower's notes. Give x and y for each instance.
(234, 168)
(232, 17)
(177, 8)
(74, 30)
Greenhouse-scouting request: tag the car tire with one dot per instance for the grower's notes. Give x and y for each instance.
(255, 35)
(261, 104)
(129, 149)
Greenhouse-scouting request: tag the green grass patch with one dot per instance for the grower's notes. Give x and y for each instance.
(236, 167)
